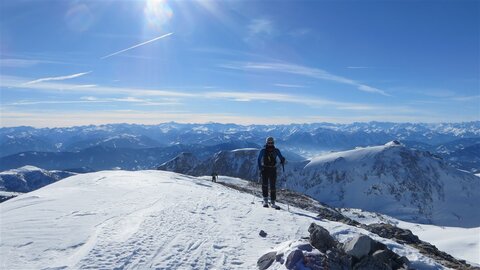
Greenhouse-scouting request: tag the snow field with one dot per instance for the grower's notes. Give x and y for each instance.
(153, 220)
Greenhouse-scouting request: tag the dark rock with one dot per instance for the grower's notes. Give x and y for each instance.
(377, 246)
(293, 258)
(359, 246)
(384, 256)
(338, 260)
(320, 238)
(391, 232)
(279, 257)
(314, 262)
(266, 260)
(369, 263)
(262, 233)
(334, 215)
(305, 247)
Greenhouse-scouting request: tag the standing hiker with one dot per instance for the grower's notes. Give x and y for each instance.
(267, 163)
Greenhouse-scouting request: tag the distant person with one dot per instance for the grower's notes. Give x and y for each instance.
(214, 177)
(267, 164)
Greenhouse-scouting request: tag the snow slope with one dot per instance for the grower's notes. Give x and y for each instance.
(391, 179)
(153, 220)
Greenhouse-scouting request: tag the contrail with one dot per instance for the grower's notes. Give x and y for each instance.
(138, 45)
(60, 78)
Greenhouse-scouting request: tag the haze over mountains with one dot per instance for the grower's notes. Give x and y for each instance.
(135, 147)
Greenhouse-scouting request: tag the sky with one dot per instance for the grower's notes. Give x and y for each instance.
(69, 63)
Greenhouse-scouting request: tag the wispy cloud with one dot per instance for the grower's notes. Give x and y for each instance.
(304, 101)
(85, 86)
(19, 82)
(138, 45)
(303, 71)
(93, 100)
(358, 67)
(260, 27)
(24, 62)
(59, 78)
(18, 63)
(170, 97)
(467, 98)
(289, 85)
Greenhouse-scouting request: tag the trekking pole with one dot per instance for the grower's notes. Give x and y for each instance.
(285, 185)
(254, 188)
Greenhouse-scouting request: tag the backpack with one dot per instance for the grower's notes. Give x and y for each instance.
(270, 158)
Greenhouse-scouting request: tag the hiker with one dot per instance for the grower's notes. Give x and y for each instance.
(214, 177)
(267, 163)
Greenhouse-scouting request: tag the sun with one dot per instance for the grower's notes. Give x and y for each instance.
(158, 13)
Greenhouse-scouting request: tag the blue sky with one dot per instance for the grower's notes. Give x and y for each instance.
(66, 63)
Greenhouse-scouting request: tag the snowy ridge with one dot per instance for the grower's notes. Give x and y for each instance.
(28, 178)
(154, 219)
(391, 179)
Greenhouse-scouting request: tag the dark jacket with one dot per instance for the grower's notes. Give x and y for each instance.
(262, 153)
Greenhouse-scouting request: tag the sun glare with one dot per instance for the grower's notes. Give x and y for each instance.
(157, 13)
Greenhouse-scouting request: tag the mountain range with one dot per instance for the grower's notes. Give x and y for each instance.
(455, 142)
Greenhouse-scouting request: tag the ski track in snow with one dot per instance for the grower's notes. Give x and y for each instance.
(151, 220)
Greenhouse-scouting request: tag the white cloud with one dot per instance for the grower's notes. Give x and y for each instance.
(59, 78)
(303, 71)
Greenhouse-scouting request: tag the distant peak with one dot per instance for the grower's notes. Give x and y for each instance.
(394, 143)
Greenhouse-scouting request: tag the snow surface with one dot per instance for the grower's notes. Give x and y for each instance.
(154, 220)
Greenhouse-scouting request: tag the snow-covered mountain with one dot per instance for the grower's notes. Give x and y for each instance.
(307, 137)
(115, 141)
(391, 179)
(28, 178)
(163, 220)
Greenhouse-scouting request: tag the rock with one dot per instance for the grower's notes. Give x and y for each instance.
(400, 263)
(377, 246)
(369, 263)
(320, 238)
(338, 260)
(293, 258)
(262, 233)
(384, 256)
(359, 246)
(266, 260)
(305, 247)
(392, 232)
(314, 262)
(279, 258)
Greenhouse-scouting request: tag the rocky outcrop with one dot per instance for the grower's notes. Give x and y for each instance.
(324, 252)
